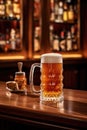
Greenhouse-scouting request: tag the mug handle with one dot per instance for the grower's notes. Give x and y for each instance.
(32, 87)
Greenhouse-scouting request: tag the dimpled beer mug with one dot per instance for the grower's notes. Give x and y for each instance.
(51, 86)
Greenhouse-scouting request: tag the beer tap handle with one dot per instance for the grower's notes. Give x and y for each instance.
(20, 64)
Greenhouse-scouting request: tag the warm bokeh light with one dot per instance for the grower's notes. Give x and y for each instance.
(64, 56)
(72, 55)
(12, 57)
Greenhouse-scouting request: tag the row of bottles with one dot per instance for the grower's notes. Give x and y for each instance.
(63, 10)
(63, 14)
(66, 40)
(37, 26)
(63, 22)
(37, 37)
(10, 25)
(10, 9)
(10, 40)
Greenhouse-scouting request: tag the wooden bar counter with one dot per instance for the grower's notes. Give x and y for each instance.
(18, 111)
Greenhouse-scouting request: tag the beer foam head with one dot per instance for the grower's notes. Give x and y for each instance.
(51, 58)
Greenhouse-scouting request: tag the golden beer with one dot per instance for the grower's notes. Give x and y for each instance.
(51, 77)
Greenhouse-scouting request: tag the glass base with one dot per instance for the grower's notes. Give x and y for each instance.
(53, 101)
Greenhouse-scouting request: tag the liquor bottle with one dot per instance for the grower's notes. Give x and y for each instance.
(65, 13)
(60, 12)
(7, 36)
(55, 43)
(70, 14)
(2, 41)
(51, 35)
(37, 39)
(16, 9)
(37, 9)
(12, 39)
(68, 41)
(9, 9)
(7, 40)
(2, 9)
(52, 13)
(76, 12)
(18, 40)
(15, 24)
(62, 41)
(56, 7)
(74, 39)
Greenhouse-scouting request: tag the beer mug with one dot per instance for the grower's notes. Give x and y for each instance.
(51, 86)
